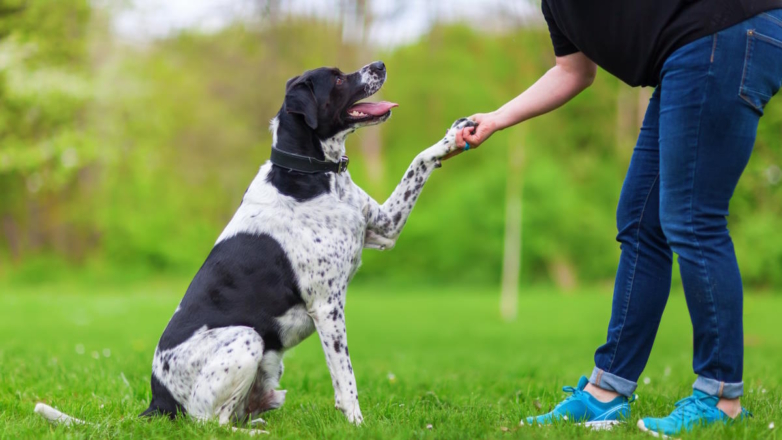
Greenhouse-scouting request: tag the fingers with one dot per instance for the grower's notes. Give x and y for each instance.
(472, 135)
(460, 139)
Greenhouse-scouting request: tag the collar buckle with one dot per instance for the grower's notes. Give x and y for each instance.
(343, 164)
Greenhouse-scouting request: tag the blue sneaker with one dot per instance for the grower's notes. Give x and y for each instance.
(583, 409)
(700, 409)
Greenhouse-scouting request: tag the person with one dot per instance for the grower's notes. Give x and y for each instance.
(714, 65)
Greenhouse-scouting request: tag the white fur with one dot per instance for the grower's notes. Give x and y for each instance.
(195, 371)
(273, 125)
(372, 81)
(223, 373)
(323, 238)
(56, 417)
(295, 326)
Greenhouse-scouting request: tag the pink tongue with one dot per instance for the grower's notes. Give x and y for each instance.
(373, 108)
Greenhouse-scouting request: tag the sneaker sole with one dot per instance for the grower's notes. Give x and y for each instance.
(643, 428)
(605, 425)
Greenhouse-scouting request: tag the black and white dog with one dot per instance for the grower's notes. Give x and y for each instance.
(280, 269)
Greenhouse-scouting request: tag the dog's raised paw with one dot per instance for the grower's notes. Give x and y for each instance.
(457, 122)
(463, 122)
(449, 141)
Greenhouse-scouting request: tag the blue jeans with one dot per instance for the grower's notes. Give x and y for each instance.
(696, 140)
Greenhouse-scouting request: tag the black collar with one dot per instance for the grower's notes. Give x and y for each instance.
(306, 164)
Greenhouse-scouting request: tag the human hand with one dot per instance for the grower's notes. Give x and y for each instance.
(447, 145)
(487, 124)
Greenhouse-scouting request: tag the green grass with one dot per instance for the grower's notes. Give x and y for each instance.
(421, 355)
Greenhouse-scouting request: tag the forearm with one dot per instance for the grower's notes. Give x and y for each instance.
(556, 87)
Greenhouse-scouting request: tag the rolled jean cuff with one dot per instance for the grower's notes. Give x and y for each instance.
(611, 382)
(714, 387)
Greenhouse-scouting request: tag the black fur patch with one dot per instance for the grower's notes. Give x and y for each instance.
(300, 186)
(163, 403)
(246, 280)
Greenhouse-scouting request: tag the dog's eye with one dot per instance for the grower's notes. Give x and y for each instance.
(340, 81)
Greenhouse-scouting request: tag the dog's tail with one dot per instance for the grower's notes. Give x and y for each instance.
(56, 417)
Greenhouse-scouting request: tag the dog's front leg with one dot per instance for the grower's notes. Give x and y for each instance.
(385, 222)
(330, 323)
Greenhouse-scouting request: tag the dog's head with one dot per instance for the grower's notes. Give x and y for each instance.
(324, 103)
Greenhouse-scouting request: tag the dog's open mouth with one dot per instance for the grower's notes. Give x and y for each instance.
(366, 111)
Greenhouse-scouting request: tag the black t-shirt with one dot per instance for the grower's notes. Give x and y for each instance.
(631, 39)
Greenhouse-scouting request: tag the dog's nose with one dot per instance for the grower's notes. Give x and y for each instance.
(379, 66)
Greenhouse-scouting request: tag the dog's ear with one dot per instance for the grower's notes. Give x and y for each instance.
(289, 82)
(300, 99)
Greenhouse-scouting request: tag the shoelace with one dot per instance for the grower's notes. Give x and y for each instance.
(690, 406)
(575, 393)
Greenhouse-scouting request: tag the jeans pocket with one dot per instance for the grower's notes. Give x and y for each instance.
(762, 75)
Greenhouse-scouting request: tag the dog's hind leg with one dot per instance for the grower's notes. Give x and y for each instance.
(264, 395)
(223, 384)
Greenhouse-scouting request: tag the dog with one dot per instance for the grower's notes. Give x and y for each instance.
(280, 270)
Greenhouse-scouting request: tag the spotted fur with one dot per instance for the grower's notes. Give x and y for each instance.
(322, 238)
(279, 271)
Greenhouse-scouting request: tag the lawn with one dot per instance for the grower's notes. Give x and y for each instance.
(422, 356)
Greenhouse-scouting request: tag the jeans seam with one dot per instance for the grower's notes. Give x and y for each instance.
(770, 17)
(746, 63)
(767, 39)
(713, 49)
(702, 260)
(747, 56)
(629, 292)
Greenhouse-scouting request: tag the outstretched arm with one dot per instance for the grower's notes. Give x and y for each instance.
(570, 76)
(385, 222)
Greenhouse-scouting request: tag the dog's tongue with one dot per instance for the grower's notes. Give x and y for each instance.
(373, 108)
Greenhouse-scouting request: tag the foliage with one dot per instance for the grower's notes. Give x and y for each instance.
(125, 161)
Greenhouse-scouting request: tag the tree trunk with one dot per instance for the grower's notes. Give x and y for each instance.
(357, 20)
(511, 261)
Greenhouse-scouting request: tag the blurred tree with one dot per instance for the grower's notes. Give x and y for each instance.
(356, 22)
(511, 260)
(125, 159)
(43, 142)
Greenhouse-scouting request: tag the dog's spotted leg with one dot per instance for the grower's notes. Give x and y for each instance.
(385, 222)
(224, 382)
(264, 395)
(330, 323)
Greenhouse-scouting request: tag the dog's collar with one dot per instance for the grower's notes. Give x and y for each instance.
(305, 164)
